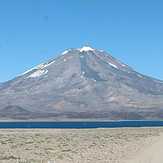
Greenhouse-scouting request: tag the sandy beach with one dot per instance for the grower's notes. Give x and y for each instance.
(123, 145)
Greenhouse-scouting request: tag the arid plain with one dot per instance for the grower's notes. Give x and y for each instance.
(122, 145)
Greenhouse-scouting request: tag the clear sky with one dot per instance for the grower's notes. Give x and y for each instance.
(32, 31)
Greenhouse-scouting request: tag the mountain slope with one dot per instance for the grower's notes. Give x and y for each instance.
(84, 83)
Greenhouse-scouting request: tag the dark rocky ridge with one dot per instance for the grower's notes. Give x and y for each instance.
(82, 84)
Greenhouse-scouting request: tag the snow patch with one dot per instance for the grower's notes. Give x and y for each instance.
(83, 72)
(39, 67)
(48, 64)
(123, 65)
(38, 73)
(140, 76)
(42, 66)
(65, 52)
(26, 72)
(86, 49)
(113, 65)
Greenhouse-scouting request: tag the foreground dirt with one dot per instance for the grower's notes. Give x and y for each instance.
(121, 145)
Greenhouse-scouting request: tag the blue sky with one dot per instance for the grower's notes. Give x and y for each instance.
(32, 31)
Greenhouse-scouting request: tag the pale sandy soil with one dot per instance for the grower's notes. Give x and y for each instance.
(150, 154)
(124, 145)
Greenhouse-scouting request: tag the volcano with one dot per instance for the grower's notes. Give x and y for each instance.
(82, 84)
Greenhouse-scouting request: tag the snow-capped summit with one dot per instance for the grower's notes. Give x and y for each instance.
(83, 49)
(86, 48)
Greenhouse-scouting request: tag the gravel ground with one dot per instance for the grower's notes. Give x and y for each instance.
(75, 145)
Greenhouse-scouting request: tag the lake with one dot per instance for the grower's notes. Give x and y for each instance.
(81, 125)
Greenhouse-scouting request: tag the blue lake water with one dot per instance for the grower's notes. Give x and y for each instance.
(78, 125)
